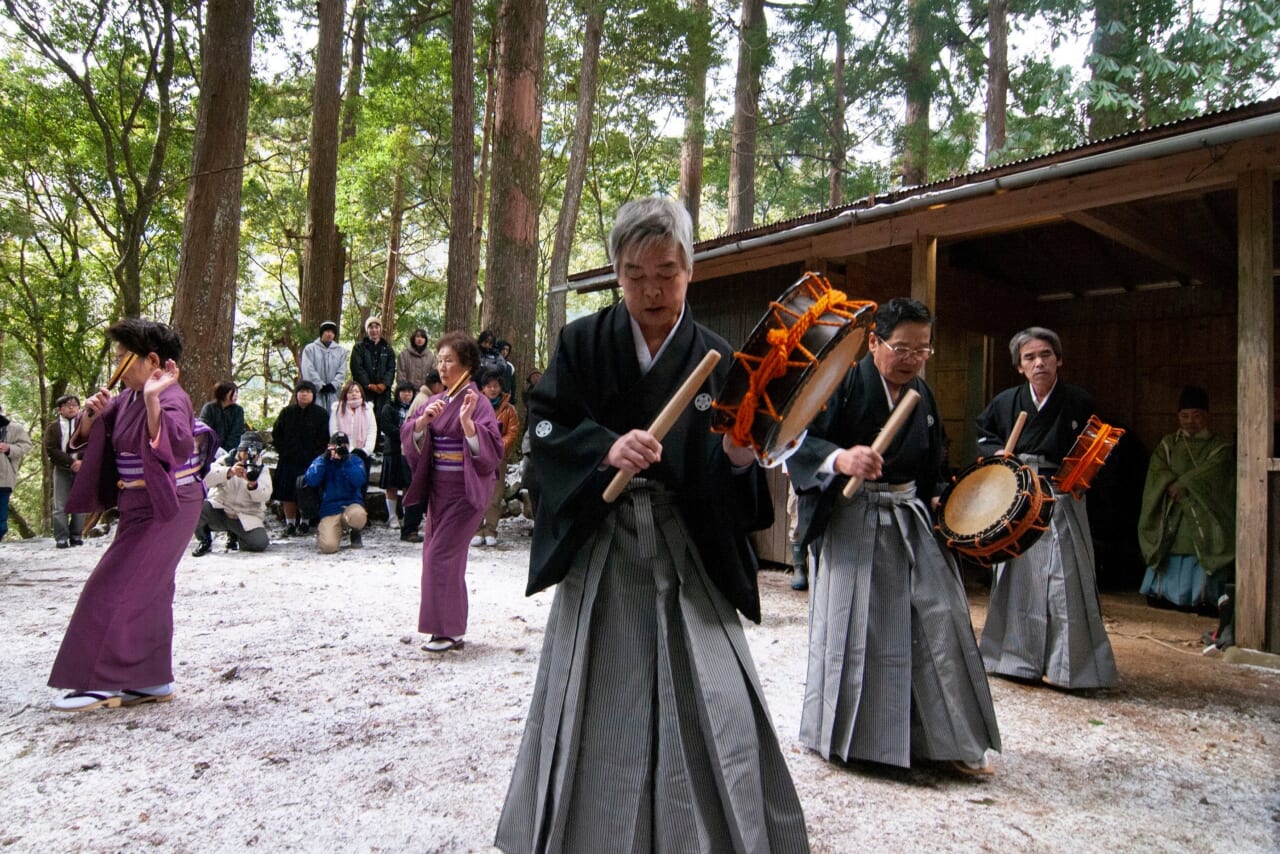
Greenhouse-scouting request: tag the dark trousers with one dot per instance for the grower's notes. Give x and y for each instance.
(214, 519)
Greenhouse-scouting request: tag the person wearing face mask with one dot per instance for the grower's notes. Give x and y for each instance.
(1044, 623)
(1187, 530)
(57, 435)
(300, 434)
(354, 416)
(140, 456)
(894, 671)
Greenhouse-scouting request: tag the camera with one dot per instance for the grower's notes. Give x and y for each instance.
(339, 446)
(253, 469)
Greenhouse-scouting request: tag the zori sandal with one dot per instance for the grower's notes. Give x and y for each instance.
(84, 701)
(157, 694)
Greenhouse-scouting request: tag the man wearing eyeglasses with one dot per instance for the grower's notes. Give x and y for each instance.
(894, 670)
(1044, 623)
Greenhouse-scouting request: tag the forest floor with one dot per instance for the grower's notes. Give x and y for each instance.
(308, 718)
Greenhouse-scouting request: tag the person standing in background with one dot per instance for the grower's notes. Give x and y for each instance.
(324, 365)
(14, 444)
(416, 360)
(373, 366)
(57, 435)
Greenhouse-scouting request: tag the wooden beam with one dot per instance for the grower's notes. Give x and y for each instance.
(1128, 228)
(924, 277)
(1256, 576)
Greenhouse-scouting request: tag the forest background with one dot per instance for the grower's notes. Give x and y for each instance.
(246, 170)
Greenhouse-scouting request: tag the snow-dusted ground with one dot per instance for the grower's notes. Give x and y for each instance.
(308, 718)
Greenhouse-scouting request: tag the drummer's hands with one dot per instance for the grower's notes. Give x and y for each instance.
(738, 455)
(859, 461)
(634, 451)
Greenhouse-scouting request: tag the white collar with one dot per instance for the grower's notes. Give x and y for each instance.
(1041, 401)
(642, 349)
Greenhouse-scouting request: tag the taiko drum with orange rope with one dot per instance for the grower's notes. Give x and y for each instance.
(994, 510)
(1079, 467)
(791, 364)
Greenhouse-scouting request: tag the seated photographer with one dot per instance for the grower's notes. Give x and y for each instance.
(340, 477)
(239, 490)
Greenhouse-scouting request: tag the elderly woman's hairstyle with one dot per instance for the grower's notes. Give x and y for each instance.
(900, 310)
(1031, 333)
(463, 346)
(223, 390)
(145, 337)
(642, 222)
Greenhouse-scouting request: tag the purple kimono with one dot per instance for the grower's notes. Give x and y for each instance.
(455, 485)
(121, 633)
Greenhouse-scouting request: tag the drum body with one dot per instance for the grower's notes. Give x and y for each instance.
(995, 510)
(790, 366)
(1092, 447)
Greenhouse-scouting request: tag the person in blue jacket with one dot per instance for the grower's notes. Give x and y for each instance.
(340, 477)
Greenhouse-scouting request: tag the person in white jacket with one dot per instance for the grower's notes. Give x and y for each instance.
(239, 490)
(324, 362)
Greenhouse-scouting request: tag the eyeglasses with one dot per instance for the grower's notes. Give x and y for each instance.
(901, 351)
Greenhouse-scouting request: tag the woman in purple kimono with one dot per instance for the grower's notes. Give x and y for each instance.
(140, 457)
(454, 449)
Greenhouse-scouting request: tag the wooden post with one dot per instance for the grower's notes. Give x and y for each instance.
(924, 276)
(1254, 389)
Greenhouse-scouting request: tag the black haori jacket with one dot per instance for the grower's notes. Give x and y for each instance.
(854, 416)
(1050, 432)
(592, 393)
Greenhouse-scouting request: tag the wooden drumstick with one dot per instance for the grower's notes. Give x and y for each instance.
(1015, 433)
(897, 419)
(125, 362)
(667, 417)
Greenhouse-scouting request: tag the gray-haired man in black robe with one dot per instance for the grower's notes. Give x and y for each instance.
(648, 729)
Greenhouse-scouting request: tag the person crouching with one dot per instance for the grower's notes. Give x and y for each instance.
(340, 477)
(239, 490)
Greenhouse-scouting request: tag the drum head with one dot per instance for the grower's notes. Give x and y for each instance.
(819, 384)
(980, 499)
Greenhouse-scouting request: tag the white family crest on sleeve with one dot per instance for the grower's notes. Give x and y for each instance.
(930, 418)
(543, 430)
(702, 402)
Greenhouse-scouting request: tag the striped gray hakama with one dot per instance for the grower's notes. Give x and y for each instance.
(894, 670)
(648, 729)
(1044, 619)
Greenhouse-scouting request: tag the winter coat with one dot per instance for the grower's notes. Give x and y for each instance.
(19, 443)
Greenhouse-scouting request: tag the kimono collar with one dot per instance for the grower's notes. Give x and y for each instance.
(642, 349)
(1039, 402)
(1201, 434)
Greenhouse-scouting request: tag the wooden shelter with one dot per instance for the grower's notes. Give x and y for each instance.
(1152, 254)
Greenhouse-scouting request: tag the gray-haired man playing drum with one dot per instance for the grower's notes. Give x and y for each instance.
(894, 671)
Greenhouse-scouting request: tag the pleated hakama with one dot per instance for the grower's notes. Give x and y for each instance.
(1044, 619)
(648, 729)
(894, 670)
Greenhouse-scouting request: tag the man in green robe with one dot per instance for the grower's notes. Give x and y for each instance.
(1187, 529)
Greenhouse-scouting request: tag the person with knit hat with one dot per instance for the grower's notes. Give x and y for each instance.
(373, 365)
(324, 365)
(1187, 529)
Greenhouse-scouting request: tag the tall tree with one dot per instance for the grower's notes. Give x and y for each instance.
(134, 121)
(835, 184)
(698, 42)
(579, 148)
(320, 299)
(204, 300)
(753, 46)
(997, 75)
(918, 84)
(460, 298)
(350, 116)
(511, 271)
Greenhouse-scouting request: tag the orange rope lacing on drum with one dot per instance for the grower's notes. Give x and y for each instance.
(782, 342)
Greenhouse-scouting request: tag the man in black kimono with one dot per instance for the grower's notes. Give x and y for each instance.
(648, 728)
(894, 671)
(1044, 622)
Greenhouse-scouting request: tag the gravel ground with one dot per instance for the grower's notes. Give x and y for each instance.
(308, 718)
